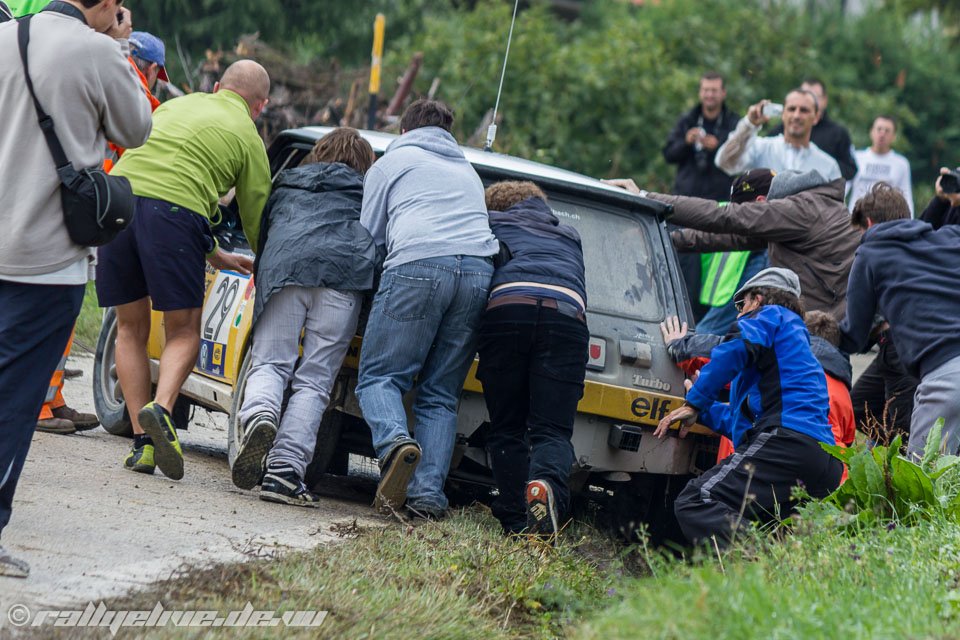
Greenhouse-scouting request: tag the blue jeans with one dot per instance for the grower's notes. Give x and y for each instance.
(718, 319)
(35, 324)
(423, 326)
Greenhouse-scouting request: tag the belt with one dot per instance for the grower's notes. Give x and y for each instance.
(566, 308)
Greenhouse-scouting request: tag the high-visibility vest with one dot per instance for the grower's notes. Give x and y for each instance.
(721, 275)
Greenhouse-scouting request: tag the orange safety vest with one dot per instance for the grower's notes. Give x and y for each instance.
(114, 152)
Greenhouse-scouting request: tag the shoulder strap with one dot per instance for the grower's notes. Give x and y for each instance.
(46, 122)
(5, 13)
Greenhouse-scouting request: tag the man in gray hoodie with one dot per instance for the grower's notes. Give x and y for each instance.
(425, 204)
(77, 58)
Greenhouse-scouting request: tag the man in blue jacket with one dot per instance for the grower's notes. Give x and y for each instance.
(909, 273)
(533, 357)
(776, 417)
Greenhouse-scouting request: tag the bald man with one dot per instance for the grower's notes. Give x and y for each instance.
(202, 146)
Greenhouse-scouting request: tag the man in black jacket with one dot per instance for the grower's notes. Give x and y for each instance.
(692, 145)
(944, 208)
(831, 137)
(907, 272)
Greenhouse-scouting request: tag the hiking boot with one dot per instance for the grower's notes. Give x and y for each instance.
(258, 438)
(541, 509)
(140, 459)
(56, 425)
(69, 374)
(396, 469)
(82, 421)
(167, 453)
(283, 485)
(12, 567)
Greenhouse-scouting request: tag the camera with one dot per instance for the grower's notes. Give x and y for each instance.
(772, 110)
(950, 182)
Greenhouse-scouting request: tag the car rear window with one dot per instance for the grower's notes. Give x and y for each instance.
(619, 259)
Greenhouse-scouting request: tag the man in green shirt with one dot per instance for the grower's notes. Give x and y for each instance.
(202, 146)
(22, 8)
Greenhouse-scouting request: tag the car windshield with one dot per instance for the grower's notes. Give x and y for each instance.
(620, 264)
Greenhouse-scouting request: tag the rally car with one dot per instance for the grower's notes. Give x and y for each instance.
(633, 283)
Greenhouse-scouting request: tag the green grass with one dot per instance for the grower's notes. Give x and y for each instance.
(88, 324)
(877, 583)
(459, 578)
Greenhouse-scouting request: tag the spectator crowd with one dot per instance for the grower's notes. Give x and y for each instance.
(797, 250)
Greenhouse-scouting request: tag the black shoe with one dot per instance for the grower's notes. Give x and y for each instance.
(69, 374)
(425, 512)
(541, 509)
(396, 469)
(260, 432)
(282, 484)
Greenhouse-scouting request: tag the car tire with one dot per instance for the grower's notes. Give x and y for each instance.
(234, 428)
(108, 400)
(326, 455)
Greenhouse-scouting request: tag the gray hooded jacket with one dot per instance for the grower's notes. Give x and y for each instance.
(423, 199)
(311, 235)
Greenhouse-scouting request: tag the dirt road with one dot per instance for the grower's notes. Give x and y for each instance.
(89, 528)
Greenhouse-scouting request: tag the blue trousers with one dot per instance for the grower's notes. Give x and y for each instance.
(35, 324)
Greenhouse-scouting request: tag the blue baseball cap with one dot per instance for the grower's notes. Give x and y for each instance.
(149, 47)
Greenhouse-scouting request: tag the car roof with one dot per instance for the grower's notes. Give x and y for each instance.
(498, 166)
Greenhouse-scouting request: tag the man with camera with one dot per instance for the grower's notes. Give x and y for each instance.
(82, 79)
(692, 145)
(792, 150)
(944, 209)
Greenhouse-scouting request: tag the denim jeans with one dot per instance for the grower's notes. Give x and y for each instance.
(328, 320)
(717, 321)
(422, 329)
(532, 365)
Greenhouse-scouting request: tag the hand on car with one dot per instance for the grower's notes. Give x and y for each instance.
(952, 198)
(685, 415)
(671, 329)
(755, 113)
(122, 25)
(625, 183)
(231, 262)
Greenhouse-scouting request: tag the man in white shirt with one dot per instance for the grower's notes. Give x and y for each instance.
(880, 163)
(790, 151)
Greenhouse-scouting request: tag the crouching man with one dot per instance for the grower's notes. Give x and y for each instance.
(533, 357)
(778, 386)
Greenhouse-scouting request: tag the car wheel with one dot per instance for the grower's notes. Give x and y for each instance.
(324, 454)
(234, 428)
(107, 397)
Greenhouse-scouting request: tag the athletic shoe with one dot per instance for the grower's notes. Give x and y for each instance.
(12, 567)
(283, 485)
(82, 421)
(140, 459)
(258, 438)
(419, 511)
(396, 469)
(56, 425)
(157, 423)
(541, 509)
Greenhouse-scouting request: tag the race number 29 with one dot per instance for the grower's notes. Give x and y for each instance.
(222, 303)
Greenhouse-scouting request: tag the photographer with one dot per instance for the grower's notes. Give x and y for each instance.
(945, 206)
(691, 146)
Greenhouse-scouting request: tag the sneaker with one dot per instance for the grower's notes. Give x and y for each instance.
(425, 512)
(396, 469)
(140, 459)
(157, 423)
(82, 421)
(283, 485)
(260, 432)
(541, 509)
(12, 567)
(56, 425)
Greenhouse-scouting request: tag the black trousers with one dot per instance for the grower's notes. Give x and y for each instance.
(35, 324)
(884, 386)
(757, 479)
(532, 364)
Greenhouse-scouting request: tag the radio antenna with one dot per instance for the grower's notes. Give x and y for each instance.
(492, 129)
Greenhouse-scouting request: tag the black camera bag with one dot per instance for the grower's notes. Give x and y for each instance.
(96, 206)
